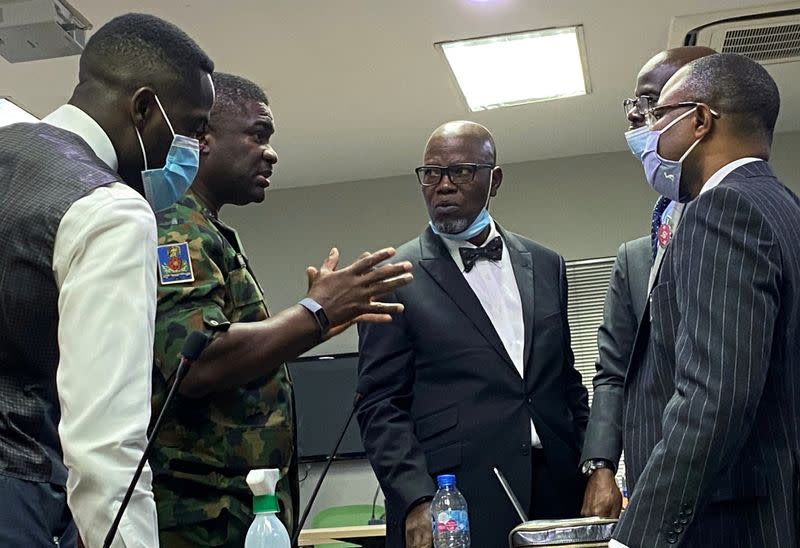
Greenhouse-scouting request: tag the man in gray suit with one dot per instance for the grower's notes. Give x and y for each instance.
(625, 301)
(712, 393)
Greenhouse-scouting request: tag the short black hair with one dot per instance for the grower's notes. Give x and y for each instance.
(135, 49)
(232, 93)
(738, 87)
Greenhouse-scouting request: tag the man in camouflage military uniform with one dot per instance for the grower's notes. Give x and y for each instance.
(234, 411)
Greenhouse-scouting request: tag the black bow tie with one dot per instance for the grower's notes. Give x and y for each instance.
(492, 251)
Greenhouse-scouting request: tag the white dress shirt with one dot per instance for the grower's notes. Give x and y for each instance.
(726, 170)
(104, 263)
(713, 181)
(496, 287)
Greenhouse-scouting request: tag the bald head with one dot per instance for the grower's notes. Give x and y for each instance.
(473, 139)
(658, 70)
(668, 62)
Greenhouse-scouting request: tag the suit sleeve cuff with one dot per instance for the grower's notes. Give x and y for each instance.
(417, 502)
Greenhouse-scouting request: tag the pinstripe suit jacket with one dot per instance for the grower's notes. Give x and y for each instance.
(712, 394)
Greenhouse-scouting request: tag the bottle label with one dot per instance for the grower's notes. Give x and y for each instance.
(451, 521)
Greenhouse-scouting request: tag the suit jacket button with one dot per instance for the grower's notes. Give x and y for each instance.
(530, 400)
(679, 529)
(672, 537)
(684, 520)
(526, 450)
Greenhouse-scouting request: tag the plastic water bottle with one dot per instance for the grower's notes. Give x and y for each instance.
(266, 531)
(449, 515)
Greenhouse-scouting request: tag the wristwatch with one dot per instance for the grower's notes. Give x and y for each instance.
(588, 467)
(318, 312)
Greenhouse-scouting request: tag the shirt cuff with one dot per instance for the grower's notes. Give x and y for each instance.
(616, 544)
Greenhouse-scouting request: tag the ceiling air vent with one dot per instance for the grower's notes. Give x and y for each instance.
(763, 39)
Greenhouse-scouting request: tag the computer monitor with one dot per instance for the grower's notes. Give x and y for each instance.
(324, 389)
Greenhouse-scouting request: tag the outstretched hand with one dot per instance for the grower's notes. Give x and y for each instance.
(349, 295)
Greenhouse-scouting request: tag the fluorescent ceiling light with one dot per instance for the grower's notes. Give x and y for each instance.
(519, 68)
(11, 113)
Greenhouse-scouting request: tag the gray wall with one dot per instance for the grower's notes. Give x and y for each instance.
(581, 206)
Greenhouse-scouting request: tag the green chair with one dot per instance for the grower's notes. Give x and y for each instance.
(343, 516)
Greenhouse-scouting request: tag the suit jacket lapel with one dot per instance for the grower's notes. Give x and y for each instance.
(522, 262)
(674, 223)
(437, 262)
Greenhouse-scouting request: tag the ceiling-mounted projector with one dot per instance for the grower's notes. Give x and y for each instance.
(40, 29)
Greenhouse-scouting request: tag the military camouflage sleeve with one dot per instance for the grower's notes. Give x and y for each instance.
(191, 291)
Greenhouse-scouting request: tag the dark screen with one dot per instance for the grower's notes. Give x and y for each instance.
(324, 390)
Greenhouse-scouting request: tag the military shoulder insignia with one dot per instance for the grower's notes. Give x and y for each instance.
(174, 264)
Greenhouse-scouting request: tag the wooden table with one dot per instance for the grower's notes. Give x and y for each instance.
(368, 536)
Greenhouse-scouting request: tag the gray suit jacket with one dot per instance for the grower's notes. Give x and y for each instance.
(712, 396)
(624, 305)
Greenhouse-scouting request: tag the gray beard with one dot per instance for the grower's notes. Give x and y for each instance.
(452, 227)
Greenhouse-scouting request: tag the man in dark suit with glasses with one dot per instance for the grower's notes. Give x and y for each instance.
(625, 301)
(478, 371)
(711, 393)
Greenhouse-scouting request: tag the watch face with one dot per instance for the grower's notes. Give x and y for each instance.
(590, 466)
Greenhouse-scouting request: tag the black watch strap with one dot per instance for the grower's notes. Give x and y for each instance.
(591, 465)
(318, 312)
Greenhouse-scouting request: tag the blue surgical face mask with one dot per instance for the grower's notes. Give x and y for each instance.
(165, 186)
(476, 227)
(663, 175)
(637, 139)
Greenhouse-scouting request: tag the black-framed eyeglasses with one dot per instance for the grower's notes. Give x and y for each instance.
(458, 174)
(641, 104)
(653, 114)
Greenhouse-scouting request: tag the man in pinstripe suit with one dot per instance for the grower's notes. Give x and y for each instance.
(712, 394)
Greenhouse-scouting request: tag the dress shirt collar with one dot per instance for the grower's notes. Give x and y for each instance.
(453, 245)
(726, 170)
(71, 118)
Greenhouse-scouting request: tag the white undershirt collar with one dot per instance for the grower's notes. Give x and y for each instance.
(71, 118)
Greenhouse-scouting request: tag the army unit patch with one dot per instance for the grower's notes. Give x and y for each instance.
(174, 264)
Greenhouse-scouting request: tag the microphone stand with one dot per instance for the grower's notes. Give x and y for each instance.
(192, 348)
(304, 517)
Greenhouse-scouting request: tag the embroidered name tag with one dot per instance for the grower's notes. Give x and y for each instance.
(174, 264)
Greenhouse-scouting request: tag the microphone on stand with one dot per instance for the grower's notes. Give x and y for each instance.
(361, 389)
(193, 346)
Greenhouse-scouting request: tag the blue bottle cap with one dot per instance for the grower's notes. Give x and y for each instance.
(446, 480)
